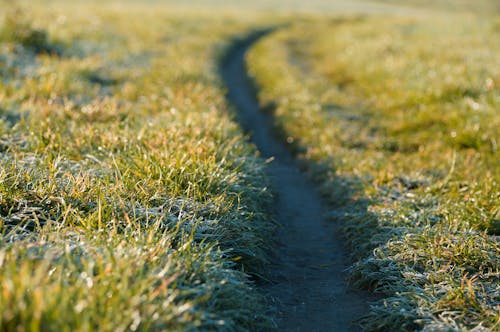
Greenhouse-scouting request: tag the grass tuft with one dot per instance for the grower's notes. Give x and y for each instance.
(18, 29)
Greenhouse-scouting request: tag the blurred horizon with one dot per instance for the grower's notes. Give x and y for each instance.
(312, 6)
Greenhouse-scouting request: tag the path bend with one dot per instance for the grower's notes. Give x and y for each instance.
(308, 288)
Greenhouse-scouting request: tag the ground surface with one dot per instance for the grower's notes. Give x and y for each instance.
(307, 284)
(131, 198)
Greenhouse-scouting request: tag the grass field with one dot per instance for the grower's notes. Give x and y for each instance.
(128, 198)
(446, 6)
(131, 200)
(398, 120)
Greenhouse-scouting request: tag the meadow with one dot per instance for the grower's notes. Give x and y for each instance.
(131, 199)
(397, 119)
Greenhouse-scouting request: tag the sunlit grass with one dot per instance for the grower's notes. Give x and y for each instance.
(398, 119)
(129, 200)
(488, 7)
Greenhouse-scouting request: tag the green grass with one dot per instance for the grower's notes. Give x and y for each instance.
(129, 200)
(397, 118)
(477, 6)
(18, 29)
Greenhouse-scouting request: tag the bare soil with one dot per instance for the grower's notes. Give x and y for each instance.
(308, 287)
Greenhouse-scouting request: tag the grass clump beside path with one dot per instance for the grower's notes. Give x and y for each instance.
(18, 29)
(398, 119)
(129, 200)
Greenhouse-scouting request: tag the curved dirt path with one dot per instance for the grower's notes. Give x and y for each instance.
(308, 284)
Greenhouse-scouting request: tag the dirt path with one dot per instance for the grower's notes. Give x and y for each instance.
(309, 288)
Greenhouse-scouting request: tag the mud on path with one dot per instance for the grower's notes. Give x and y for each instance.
(308, 286)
